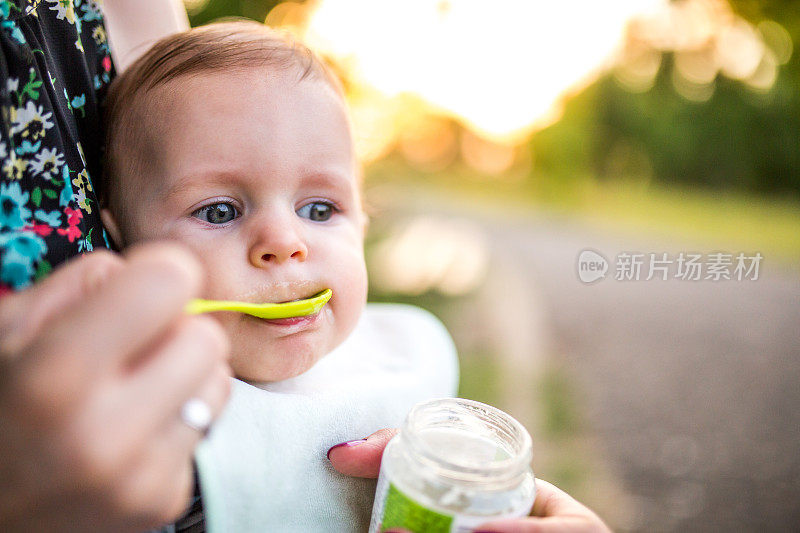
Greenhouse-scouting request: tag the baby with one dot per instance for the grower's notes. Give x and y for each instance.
(236, 141)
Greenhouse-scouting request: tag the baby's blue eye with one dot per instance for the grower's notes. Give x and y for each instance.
(216, 213)
(317, 211)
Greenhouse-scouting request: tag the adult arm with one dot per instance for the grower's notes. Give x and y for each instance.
(95, 364)
(134, 25)
(553, 511)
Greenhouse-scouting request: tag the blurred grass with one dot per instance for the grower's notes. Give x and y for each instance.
(560, 412)
(480, 377)
(709, 221)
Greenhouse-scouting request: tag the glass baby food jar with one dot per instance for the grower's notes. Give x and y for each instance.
(455, 465)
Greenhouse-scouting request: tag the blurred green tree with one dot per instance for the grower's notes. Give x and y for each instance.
(736, 140)
(214, 9)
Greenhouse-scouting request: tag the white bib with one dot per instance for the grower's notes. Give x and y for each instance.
(263, 467)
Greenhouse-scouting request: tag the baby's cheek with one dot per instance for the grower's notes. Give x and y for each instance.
(348, 311)
(217, 287)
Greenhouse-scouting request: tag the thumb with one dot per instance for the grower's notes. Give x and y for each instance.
(361, 458)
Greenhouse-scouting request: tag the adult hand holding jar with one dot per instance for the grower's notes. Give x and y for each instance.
(553, 510)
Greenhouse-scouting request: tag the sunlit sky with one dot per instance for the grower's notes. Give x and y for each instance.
(501, 66)
(504, 68)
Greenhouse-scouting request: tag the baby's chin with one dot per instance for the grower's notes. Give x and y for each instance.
(261, 369)
(280, 359)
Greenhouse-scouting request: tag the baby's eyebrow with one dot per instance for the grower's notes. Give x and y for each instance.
(341, 182)
(200, 180)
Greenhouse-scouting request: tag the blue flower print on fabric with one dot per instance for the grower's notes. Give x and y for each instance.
(21, 252)
(77, 103)
(52, 219)
(66, 193)
(90, 11)
(13, 213)
(27, 148)
(7, 9)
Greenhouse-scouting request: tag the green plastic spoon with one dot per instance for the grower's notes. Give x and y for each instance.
(306, 307)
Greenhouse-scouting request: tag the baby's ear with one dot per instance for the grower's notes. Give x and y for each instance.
(112, 228)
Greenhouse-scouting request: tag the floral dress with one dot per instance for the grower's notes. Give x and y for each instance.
(54, 68)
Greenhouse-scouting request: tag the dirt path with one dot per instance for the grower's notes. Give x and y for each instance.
(691, 389)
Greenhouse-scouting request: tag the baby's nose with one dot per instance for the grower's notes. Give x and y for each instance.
(298, 254)
(274, 246)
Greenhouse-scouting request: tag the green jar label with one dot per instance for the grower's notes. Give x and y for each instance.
(402, 512)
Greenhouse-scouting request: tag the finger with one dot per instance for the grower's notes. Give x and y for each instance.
(175, 451)
(552, 501)
(361, 458)
(217, 389)
(214, 393)
(120, 419)
(554, 510)
(156, 490)
(181, 368)
(135, 305)
(22, 314)
(553, 524)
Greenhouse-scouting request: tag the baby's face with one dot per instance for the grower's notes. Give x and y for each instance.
(255, 172)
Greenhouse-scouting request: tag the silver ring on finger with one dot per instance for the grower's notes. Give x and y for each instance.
(196, 414)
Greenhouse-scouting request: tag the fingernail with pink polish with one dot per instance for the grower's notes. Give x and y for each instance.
(347, 444)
